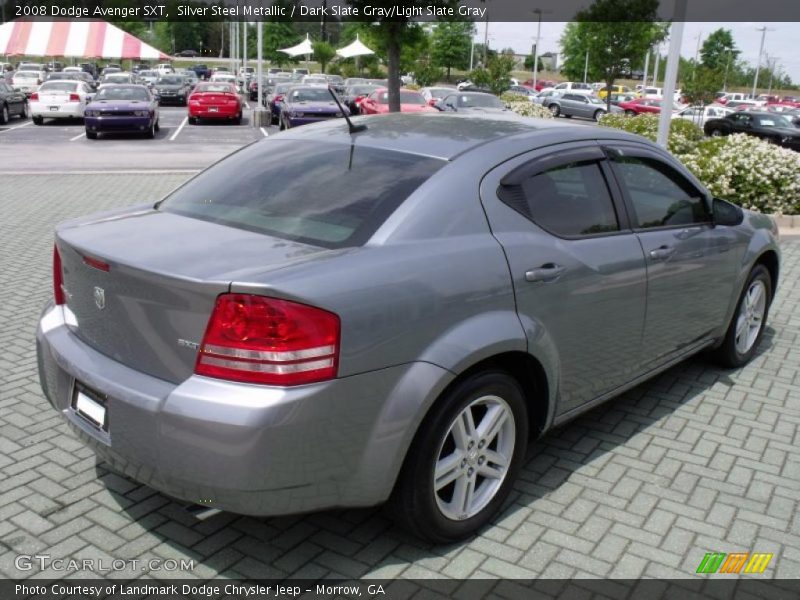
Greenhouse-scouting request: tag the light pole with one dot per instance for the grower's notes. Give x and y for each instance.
(696, 54)
(673, 59)
(538, 12)
(472, 55)
(655, 70)
(586, 66)
(763, 31)
(727, 66)
(772, 62)
(646, 69)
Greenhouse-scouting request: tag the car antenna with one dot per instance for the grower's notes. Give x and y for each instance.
(353, 128)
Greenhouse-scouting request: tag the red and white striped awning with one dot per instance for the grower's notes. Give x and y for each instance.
(80, 39)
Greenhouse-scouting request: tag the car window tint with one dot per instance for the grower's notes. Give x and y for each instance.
(328, 195)
(570, 200)
(661, 197)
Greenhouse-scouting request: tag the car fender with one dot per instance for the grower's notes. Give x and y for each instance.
(763, 240)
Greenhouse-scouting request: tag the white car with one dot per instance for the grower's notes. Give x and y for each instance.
(700, 114)
(314, 80)
(72, 70)
(165, 69)
(224, 77)
(148, 77)
(573, 87)
(27, 81)
(60, 99)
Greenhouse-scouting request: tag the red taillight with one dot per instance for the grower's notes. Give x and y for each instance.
(256, 339)
(278, 98)
(96, 263)
(58, 278)
(74, 98)
(35, 96)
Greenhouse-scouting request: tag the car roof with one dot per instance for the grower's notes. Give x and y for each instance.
(446, 136)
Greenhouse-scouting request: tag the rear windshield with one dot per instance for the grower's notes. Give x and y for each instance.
(329, 195)
(58, 86)
(123, 93)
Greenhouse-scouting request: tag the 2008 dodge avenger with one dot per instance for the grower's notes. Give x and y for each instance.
(337, 317)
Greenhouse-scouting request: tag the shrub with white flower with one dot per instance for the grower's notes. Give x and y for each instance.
(743, 169)
(683, 134)
(749, 171)
(523, 106)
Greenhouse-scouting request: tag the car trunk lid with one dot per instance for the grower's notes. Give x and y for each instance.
(142, 284)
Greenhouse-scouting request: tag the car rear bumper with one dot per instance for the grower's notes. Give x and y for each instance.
(205, 112)
(71, 110)
(244, 448)
(172, 99)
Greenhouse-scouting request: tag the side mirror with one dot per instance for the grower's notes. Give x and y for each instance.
(451, 106)
(726, 213)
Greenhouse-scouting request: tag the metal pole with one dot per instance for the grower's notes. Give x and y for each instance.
(673, 60)
(537, 11)
(655, 70)
(727, 66)
(586, 67)
(230, 48)
(646, 68)
(244, 55)
(763, 31)
(472, 55)
(696, 54)
(486, 41)
(260, 68)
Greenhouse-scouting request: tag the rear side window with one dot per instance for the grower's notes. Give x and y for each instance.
(570, 201)
(660, 196)
(329, 195)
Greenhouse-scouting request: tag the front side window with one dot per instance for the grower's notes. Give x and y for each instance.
(660, 196)
(570, 200)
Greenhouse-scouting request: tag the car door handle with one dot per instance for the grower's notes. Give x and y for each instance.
(662, 252)
(545, 273)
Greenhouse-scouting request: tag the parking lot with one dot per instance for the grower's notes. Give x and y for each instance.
(698, 460)
(62, 145)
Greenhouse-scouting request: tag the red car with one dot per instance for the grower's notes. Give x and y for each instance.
(215, 100)
(377, 103)
(540, 84)
(641, 105)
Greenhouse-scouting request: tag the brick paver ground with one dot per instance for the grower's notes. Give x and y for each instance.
(698, 460)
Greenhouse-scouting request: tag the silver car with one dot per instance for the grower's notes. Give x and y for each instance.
(579, 105)
(336, 319)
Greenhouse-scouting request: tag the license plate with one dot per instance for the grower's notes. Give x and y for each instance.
(90, 405)
(54, 108)
(213, 109)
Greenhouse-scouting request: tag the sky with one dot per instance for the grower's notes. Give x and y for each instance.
(781, 40)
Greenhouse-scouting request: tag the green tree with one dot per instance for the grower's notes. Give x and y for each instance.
(719, 50)
(497, 74)
(277, 35)
(529, 63)
(451, 44)
(323, 53)
(611, 31)
(393, 35)
(701, 86)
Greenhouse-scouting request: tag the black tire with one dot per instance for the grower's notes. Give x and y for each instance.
(238, 119)
(26, 111)
(555, 109)
(4, 114)
(193, 120)
(630, 113)
(38, 120)
(91, 135)
(727, 355)
(598, 113)
(413, 503)
(715, 133)
(151, 133)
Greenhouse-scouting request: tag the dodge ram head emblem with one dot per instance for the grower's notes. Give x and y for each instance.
(100, 297)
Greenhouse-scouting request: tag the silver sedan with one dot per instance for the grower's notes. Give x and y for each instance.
(338, 317)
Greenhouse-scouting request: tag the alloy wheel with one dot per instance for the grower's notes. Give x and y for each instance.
(751, 316)
(474, 457)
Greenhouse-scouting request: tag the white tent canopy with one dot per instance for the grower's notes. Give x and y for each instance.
(300, 49)
(79, 39)
(357, 48)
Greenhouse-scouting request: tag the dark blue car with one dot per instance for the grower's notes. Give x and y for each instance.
(122, 108)
(305, 104)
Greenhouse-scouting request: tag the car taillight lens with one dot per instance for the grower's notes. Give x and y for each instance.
(35, 96)
(58, 278)
(256, 339)
(74, 98)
